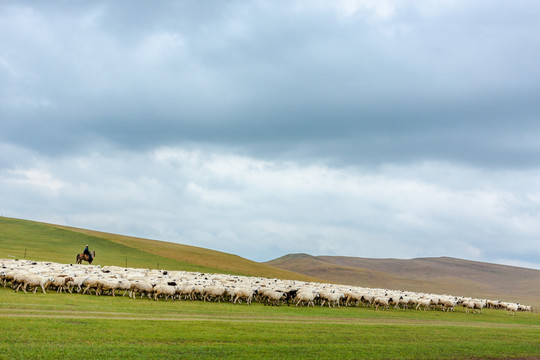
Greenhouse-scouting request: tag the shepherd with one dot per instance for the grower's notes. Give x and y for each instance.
(87, 255)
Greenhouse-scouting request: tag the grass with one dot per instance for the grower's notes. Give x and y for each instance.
(80, 326)
(48, 242)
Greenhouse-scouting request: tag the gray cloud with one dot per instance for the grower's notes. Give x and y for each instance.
(422, 115)
(411, 84)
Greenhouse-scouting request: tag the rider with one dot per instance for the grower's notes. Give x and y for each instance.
(87, 252)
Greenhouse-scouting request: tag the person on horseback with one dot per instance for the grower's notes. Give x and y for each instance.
(87, 252)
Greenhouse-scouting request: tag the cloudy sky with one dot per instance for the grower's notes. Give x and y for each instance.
(371, 128)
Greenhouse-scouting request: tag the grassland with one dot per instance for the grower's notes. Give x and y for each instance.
(61, 326)
(49, 242)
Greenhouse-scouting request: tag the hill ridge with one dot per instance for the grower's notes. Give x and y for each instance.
(428, 274)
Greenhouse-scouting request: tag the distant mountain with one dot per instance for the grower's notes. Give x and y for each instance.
(438, 275)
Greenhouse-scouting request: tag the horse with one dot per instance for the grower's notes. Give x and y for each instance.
(83, 256)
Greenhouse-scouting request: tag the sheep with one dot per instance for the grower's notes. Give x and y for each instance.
(90, 284)
(306, 296)
(513, 308)
(75, 281)
(262, 293)
(185, 290)
(197, 292)
(164, 289)
(290, 295)
(448, 304)
(203, 286)
(473, 305)
(36, 281)
(3, 276)
(330, 296)
(273, 297)
(17, 279)
(402, 300)
(109, 285)
(243, 293)
(352, 297)
(382, 301)
(425, 303)
(141, 287)
(491, 304)
(124, 285)
(60, 282)
(367, 299)
(214, 292)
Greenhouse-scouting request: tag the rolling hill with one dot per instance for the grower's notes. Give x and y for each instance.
(48, 242)
(437, 275)
(25, 239)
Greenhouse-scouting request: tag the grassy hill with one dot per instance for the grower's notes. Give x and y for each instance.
(48, 242)
(437, 275)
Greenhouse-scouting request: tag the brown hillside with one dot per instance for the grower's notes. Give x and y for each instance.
(437, 275)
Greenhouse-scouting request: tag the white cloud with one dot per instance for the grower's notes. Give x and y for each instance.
(158, 47)
(34, 177)
(373, 128)
(263, 209)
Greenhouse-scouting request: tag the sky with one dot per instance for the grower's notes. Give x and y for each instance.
(369, 128)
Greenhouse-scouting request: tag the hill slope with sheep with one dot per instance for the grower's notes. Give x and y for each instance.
(23, 239)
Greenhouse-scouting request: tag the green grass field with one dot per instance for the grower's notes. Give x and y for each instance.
(72, 326)
(60, 326)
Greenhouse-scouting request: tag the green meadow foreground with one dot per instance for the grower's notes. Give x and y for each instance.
(61, 326)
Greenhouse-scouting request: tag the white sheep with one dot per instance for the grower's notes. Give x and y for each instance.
(307, 297)
(109, 285)
(91, 283)
(512, 308)
(75, 281)
(273, 297)
(201, 286)
(140, 287)
(402, 300)
(474, 305)
(352, 297)
(60, 282)
(185, 290)
(243, 293)
(382, 301)
(164, 289)
(35, 281)
(448, 304)
(214, 292)
(332, 297)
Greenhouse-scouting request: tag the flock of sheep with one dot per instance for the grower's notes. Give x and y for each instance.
(28, 275)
